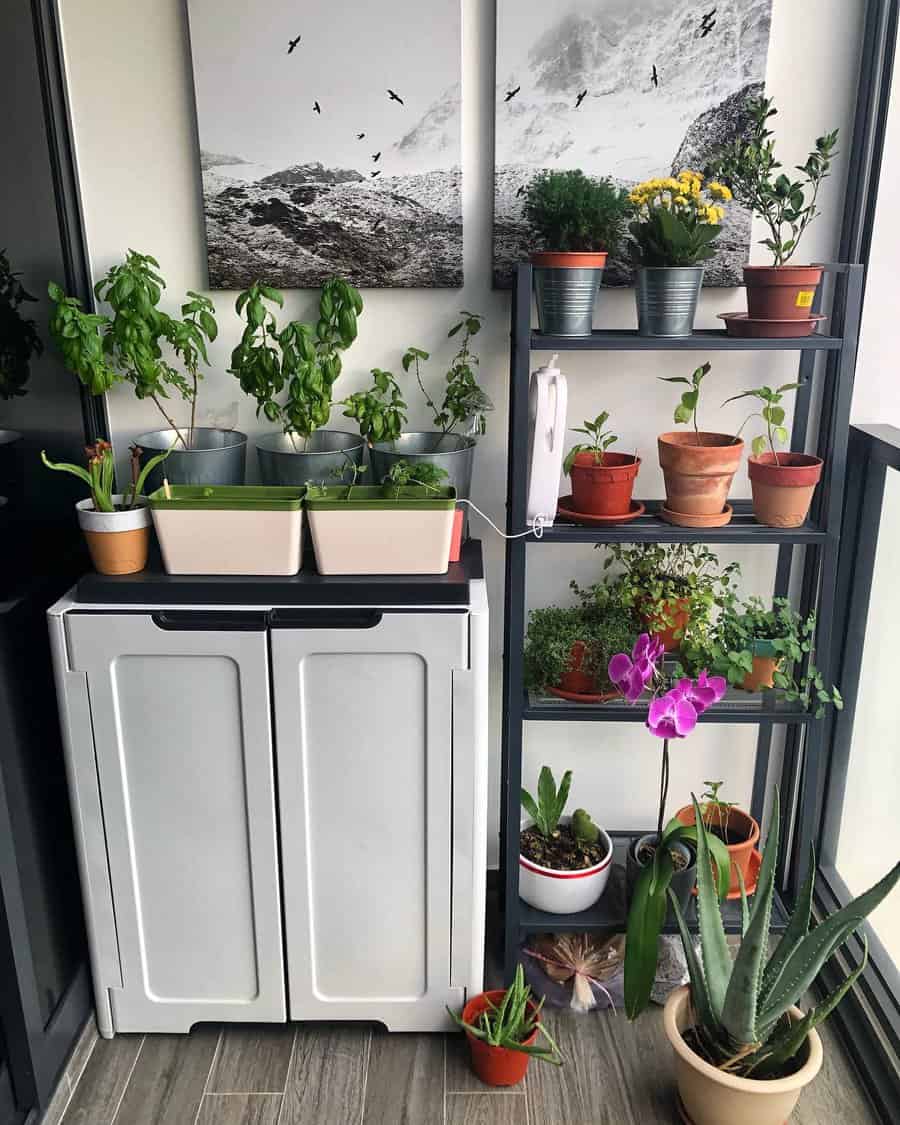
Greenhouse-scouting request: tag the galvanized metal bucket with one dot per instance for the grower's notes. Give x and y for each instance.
(454, 453)
(214, 457)
(667, 299)
(325, 457)
(566, 299)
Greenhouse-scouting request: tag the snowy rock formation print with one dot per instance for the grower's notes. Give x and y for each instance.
(329, 141)
(625, 90)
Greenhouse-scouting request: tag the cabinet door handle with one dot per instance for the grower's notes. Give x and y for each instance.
(211, 621)
(324, 618)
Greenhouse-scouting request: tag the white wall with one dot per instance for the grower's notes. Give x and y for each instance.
(132, 104)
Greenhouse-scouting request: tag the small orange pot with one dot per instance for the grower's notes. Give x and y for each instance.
(783, 487)
(741, 824)
(763, 675)
(497, 1066)
(603, 488)
(569, 259)
(698, 476)
(781, 292)
(678, 611)
(575, 679)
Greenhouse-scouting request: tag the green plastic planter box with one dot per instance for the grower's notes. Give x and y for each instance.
(407, 531)
(229, 529)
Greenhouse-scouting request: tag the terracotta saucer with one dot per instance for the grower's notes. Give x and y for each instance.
(577, 697)
(683, 519)
(567, 512)
(741, 324)
(752, 875)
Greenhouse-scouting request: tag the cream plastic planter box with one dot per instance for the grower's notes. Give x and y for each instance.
(380, 529)
(229, 529)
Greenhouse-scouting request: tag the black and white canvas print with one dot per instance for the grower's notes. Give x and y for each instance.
(624, 89)
(329, 141)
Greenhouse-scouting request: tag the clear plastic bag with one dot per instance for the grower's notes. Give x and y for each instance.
(576, 971)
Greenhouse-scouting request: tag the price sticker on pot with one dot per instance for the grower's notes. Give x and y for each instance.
(805, 298)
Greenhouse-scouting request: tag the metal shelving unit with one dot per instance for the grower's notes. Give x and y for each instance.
(826, 366)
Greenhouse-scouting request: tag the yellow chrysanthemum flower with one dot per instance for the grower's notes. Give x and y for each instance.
(681, 200)
(719, 191)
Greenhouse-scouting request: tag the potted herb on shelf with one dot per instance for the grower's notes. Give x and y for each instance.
(116, 525)
(135, 346)
(780, 296)
(677, 220)
(698, 466)
(503, 1027)
(564, 861)
(577, 220)
(743, 1049)
(303, 360)
(736, 829)
(782, 483)
(602, 482)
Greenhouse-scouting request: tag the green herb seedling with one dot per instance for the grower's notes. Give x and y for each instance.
(772, 413)
(546, 811)
(600, 441)
(402, 474)
(380, 411)
(716, 812)
(686, 410)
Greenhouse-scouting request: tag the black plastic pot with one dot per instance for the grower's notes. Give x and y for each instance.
(683, 881)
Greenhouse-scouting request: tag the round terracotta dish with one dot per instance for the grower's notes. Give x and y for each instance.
(566, 510)
(742, 324)
(685, 519)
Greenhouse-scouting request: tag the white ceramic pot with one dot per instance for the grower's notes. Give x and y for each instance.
(709, 1096)
(133, 520)
(117, 541)
(564, 892)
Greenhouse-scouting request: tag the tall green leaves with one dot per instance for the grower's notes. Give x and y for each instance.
(546, 811)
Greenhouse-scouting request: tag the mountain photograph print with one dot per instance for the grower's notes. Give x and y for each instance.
(625, 90)
(329, 141)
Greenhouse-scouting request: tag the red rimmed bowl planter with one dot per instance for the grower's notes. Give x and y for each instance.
(698, 471)
(497, 1066)
(781, 292)
(709, 1096)
(564, 892)
(604, 488)
(745, 831)
(783, 487)
(566, 286)
(677, 611)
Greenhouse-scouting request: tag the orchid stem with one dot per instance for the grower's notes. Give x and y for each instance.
(663, 790)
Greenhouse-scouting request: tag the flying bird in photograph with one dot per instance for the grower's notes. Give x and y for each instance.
(510, 94)
(376, 156)
(292, 43)
(316, 107)
(580, 99)
(654, 78)
(360, 136)
(374, 174)
(708, 23)
(379, 222)
(395, 97)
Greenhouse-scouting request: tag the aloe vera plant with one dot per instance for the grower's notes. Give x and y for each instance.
(511, 1023)
(741, 1007)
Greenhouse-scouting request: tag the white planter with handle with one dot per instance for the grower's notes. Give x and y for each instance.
(564, 892)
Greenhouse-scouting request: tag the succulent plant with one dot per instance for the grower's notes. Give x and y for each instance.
(583, 828)
(741, 1007)
(548, 808)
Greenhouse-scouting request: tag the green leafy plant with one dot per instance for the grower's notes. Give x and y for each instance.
(402, 474)
(550, 803)
(687, 408)
(676, 219)
(772, 413)
(569, 211)
(600, 441)
(100, 474)
(741, 1004)
(748, 165)
(716, 812)
(302, 359)
(601, 630)
(513, 1022)
(19, 339)
(380, 411)
(465, 403)
(128, 346)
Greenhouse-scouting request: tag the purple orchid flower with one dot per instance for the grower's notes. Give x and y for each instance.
(672, 715)
(705, 692)
(631, 674)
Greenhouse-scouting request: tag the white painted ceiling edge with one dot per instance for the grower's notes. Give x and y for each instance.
(132, 107)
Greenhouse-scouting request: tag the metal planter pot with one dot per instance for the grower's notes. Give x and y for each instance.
(215, 457)
(453, 453)
(667, 299)
(566, 299)
(323, 458)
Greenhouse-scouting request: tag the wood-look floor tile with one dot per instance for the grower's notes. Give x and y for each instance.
(327, 1077)
(252, 1060)
(168, 1079)
(239, 1109)
(405, 1079)
(486, 1109)
(836, 1093)
(103, 1081)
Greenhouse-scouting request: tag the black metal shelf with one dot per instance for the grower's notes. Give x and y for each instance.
(736, 707)
(702, 339)
(649, 527)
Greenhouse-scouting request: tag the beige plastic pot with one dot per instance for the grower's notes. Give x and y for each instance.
(711, 1097)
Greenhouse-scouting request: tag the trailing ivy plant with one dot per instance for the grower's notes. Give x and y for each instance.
(19, 339)
(380, 411)
(302, 359)
(465, 403)
(569, 211)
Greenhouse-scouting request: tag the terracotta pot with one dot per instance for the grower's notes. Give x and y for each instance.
(497, 1066)
(765, 664)
(117, 541)
(604, 489)
(569, 259)
(746, 832)
(698, 477)
(781, 292)
(783, 488)
(678, 611)
(712, 1097)
(575, 679)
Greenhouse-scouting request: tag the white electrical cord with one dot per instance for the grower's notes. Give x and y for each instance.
(537, 529)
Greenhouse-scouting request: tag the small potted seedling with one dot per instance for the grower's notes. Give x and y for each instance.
(782, 483)
(602, 482)
(503, 1027)
(780, 296)
(698, 466)
(564, 861)
(736, 829)
(116, 525)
